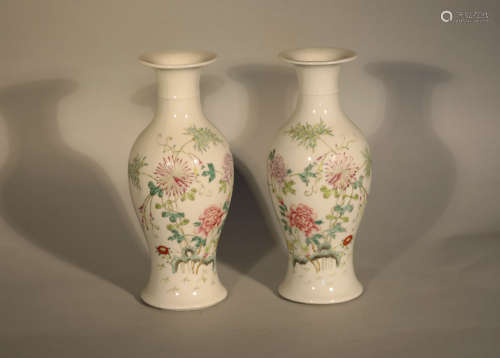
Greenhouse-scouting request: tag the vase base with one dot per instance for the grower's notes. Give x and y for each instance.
(184, 304)
(311, 296)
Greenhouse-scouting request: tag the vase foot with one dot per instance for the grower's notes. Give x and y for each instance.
(185, 302)
(319, 291)
(318, 300)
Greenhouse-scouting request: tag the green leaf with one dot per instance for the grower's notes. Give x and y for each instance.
(288, 187)
(326, 192)
(172, 216)
(335, 229)
(210, 172)
(368, 163)
(314, 239)
(197, 223)
(358, 183)
(222, 186)
(306, 174)
(307, 135)
(325, 246)
(134, 170)
(199, 241)
(154, 190)
(271, 154)
(176, 236)
(202, 138)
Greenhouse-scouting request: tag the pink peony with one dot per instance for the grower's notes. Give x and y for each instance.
(211, 218)
(302, 217)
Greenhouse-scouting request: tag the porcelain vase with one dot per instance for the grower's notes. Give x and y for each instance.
(181, 179)
(319, 173)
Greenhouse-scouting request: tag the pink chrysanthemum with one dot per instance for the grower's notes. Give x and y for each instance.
(340, 171)
(277, 168)
(228, 168)
(174, 176)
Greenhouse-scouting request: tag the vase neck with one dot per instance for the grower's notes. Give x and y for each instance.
(178, 83)
(178, 94)
(318, 80)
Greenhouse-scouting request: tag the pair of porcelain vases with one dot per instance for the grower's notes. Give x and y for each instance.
(181, 180)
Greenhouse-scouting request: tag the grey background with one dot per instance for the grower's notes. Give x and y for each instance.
(73, 98)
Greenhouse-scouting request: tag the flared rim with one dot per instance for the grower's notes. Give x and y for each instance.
(176, 59)
(311, 56)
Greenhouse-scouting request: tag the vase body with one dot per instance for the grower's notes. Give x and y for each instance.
(181, 178)
(319, 173)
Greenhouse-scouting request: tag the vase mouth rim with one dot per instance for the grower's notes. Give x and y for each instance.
(315, 56)
(177, 59)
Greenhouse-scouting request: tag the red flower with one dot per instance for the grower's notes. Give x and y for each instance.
(162, 250)
(347, 240)
(302, 217)
(211, 218)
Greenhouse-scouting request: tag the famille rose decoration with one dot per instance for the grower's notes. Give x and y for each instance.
(181, 179)
(319, 173)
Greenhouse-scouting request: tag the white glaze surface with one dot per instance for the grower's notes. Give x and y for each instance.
(319, 174)
(181, 177)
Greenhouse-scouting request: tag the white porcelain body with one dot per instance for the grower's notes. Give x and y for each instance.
(181, 179)
(319, 174)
